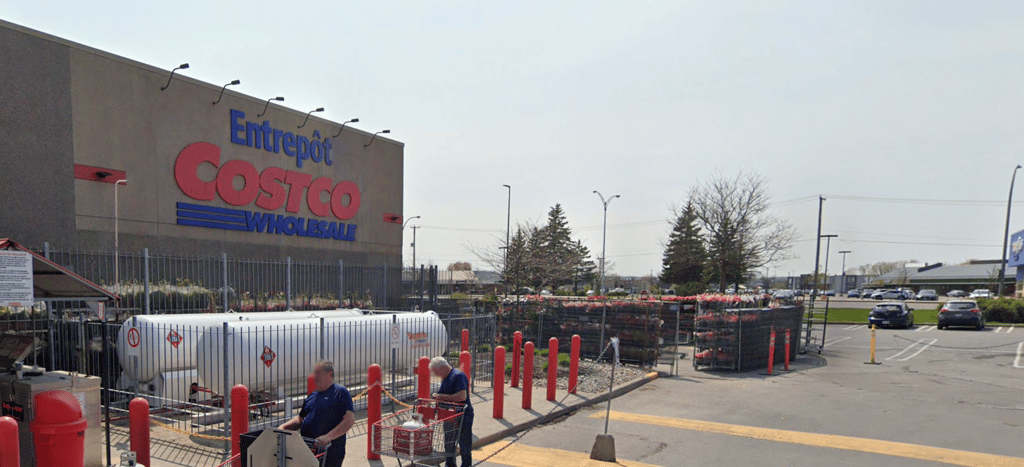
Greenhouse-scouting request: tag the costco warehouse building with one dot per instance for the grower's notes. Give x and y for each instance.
(202, 179)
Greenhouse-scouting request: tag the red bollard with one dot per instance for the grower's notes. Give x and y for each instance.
(528, 376)
(552, 367)
(466, 365)
(239, 422)
(465, 340)
(9, 447)
(138, 416)
(310, 386)
(423, 386)
(574, 363)
(373, 409)
(517, 342)
(771, 351)
(499, 383)
(787, 350)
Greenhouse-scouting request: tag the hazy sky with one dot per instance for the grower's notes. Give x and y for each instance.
(916, 102)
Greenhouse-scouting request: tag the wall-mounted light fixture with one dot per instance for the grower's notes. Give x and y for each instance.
(318, 109)
(375, 137)
(183, 66)
(225, 87)
(278, 98)
(354, 120)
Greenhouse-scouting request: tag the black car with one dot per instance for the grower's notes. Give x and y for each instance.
(927, 294)
(961, 313)
(855, 293)
(891, 314)
(866, 293)
(956, 293)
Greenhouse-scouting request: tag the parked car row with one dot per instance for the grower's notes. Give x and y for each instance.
(923, 294)
(953, 313)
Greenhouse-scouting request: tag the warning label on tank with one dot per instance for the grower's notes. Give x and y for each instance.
(418, 340)
(268, 356)
(174, 338)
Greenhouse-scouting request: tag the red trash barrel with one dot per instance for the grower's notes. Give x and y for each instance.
(59, 430)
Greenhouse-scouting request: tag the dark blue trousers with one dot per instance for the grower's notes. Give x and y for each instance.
(465, 439)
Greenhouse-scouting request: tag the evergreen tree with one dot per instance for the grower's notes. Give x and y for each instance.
(685, 254)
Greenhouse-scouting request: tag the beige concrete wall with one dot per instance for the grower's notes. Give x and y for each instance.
(120, 119)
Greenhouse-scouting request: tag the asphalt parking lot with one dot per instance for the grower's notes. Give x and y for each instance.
(992, 354)
(949, 397)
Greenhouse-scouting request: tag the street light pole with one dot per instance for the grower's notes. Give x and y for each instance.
(604, 234)
(508, 228)
(1006, 233)
(843, 288)
(117, 246)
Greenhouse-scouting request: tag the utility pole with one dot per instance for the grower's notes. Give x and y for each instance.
(817, 258)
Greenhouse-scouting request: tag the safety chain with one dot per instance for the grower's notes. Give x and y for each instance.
(395, 399)
(188, 433)
(894, 337)
(557, 406)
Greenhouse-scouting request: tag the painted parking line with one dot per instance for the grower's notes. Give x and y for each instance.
(532, 456)
(924, 329)
(836, 340)
(1010, 329)
(849, 443)
(999, 329)
(855, 326)
(1017, 361)
(911, 346)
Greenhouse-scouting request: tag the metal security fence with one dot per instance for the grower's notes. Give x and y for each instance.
(185, 364)
(156, 284)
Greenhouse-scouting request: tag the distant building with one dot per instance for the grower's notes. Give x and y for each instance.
(977, 274)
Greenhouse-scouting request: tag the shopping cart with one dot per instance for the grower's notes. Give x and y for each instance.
(425, 445)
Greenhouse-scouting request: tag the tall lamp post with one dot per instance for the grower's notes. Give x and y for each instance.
(843, 288)
(508, 228)
(604, 234)
(1006, 233)
(117, 246)
(413, 245)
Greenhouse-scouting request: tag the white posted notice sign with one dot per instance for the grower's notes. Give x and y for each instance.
(16, 278)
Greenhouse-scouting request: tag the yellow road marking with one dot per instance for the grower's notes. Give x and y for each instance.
(873, 446)
(521, 455)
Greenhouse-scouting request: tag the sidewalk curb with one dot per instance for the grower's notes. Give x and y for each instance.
(626, 388)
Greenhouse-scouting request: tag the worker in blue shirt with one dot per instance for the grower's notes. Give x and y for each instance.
(327, 415)
(455, 388)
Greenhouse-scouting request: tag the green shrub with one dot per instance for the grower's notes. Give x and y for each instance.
(459, 296)
(616, 294)
(1002, 309)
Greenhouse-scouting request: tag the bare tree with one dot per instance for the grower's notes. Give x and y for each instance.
(742, 234)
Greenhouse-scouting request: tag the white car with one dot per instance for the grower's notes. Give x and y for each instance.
(980, 293)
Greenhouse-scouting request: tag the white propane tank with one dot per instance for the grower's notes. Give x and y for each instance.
(414, 424)
(269, 355)
(166, 343)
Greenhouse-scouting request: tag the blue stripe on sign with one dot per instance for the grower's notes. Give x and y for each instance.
(215, 210)
(212, 217)
(212, 225)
